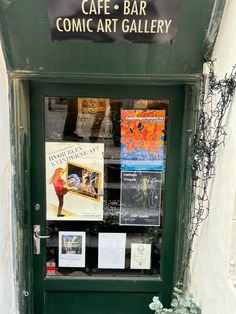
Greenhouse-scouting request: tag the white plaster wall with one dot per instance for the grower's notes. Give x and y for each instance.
(7, 303)
(209, 274)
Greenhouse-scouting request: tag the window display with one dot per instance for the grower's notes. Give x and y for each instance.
(105, 163)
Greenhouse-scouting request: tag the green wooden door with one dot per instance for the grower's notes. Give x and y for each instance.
(90, 290)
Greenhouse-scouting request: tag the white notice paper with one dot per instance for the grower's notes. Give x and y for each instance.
(71, 249)
(111, 250)
(140, 256)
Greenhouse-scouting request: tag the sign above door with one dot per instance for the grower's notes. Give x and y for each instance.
(127, 21)
(25, 32)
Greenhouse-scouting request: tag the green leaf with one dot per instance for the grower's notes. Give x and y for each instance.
(174, 303)
(176, 295)
(180, 311)
(188, 296)
(156, 305)
(167, 311)
(193, 305)
(178, 290)
(184, 303)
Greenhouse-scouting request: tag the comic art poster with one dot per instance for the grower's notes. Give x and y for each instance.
(140, 198)
(74, 181)
(142, 139)
(93, 118)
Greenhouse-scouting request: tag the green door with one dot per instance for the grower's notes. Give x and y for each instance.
(110, 218)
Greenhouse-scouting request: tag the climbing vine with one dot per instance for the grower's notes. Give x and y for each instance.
(216, 97)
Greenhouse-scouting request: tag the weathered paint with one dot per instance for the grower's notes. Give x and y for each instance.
(7, 301)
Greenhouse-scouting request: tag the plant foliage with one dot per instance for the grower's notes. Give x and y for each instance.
(182, 303)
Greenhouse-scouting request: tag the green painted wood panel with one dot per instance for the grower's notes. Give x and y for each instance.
(105, 303)
(26, 39)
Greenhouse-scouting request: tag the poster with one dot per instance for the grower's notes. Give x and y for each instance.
(140, 256)
(74, 181)
(111, 250)
(93, 119)
(140, 198)
(142, 139)
(71, 249)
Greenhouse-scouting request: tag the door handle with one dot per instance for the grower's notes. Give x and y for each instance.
(38, 237)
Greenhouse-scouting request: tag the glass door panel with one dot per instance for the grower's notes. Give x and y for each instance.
(105, 171)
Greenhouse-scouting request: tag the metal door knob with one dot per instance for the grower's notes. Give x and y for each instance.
(37, 235)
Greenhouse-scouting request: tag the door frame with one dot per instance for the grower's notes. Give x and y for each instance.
(21, 146)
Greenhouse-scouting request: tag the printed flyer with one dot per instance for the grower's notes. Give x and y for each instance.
(74, 181)
(111, 250)
(140, 256)
(71, 249)
(140, 198)
(142, 139)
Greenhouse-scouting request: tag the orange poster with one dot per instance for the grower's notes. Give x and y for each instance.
(142, 139)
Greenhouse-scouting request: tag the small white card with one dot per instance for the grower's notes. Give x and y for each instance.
(140, 256)
(71, 249)
(111, 250)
